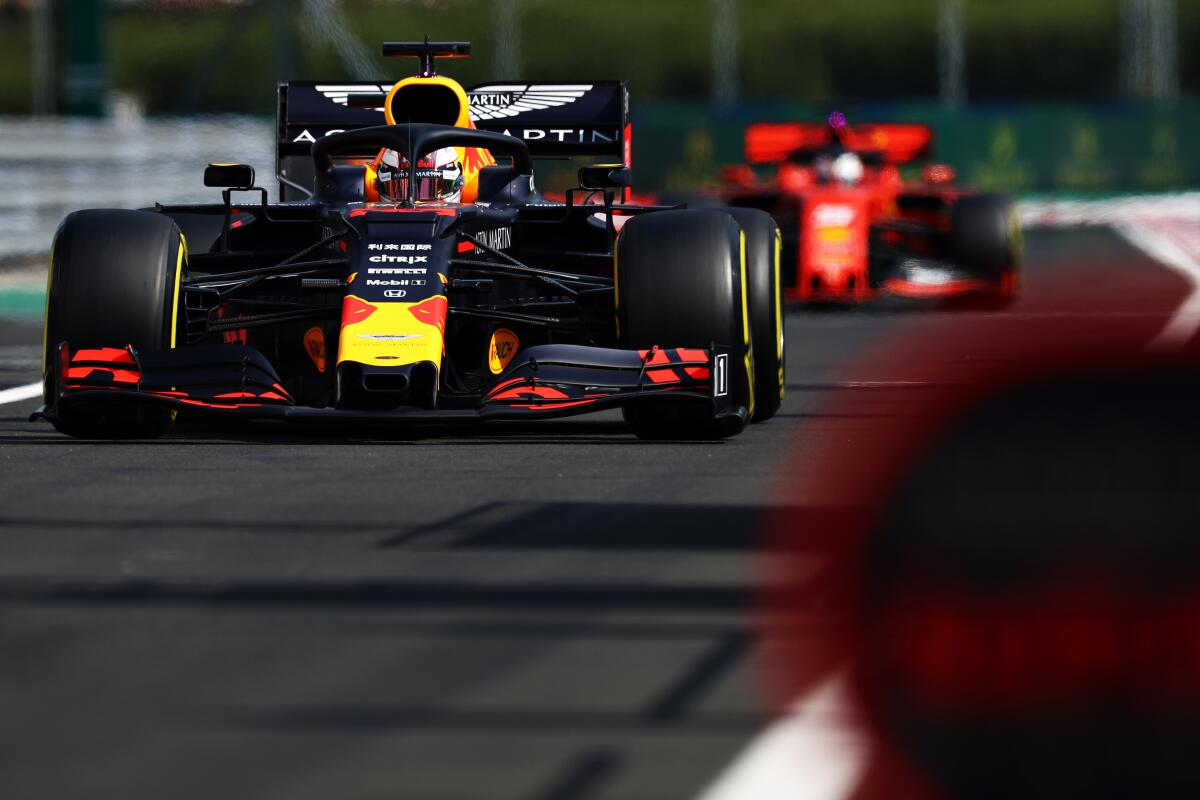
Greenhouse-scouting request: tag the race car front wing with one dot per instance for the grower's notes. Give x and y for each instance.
(235, 380)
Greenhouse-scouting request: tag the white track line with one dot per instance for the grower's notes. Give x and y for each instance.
(1186, 320)
(813, 753)
(19, 393)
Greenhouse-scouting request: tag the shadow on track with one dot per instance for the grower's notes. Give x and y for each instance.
(495, 526)
(547, 432)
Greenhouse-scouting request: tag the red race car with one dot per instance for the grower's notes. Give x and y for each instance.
(855, 230)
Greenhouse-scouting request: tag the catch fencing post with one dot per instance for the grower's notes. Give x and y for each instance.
(41, 40)
(724, 52)
(952, 53)
(1150, 49)
(506, 63)
(85, 23)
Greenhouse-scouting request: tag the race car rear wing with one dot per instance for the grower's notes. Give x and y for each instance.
(554, 119)
(895, 142)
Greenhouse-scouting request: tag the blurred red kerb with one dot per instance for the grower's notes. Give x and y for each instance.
(1072, 640)
(1065, 645)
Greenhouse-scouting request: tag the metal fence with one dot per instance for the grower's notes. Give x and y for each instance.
(54, 166)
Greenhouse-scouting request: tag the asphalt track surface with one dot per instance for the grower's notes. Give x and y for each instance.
(540, 612)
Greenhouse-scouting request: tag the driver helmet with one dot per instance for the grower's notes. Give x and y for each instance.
(823, 166)
(847, 169)
(439, 177)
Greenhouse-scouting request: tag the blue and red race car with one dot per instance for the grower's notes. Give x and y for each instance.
(413, 274)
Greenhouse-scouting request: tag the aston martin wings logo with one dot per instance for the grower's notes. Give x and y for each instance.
(340, 93)
(510, 99)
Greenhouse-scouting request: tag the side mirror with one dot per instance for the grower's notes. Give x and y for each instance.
(605, 176)
(229, 176)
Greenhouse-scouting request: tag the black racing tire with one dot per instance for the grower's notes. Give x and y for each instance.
(680, 279)
(764, 247)
(114, 281)
(985, 234)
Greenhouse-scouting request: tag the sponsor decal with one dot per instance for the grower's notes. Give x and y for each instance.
(564, 135)
(403, 282)
(388, 347)
(721, 375)
(394, 330)
(314, 345)
(926, 273)
(231, 337)
(833, 244)
(501, 349)
(510, 99)
(497, 239)
(394, 294)
(390, 282)
(394, 271)
(833, 234)
(305, 136)
(386, 259)
(340, 92)
(833, 215)
(402, 246)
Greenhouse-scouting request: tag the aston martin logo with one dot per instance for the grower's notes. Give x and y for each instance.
(496, 101)
(510, 99)
(340, 93)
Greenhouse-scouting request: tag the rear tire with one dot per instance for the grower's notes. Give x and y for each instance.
(114, 281)
(763, 280)
(680, 278)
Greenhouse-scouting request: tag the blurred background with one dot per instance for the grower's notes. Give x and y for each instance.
(1027, 96)
(122, 102)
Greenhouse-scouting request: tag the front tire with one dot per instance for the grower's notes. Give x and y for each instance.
(764, 247)
(114, 281)
(681, 282)
(986, 240)
(985, 234)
